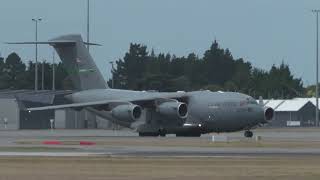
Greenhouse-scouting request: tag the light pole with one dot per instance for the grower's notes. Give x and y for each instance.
(42, 75)
(317, 66)
(36, 20)
(112, 70)
(88, 24)
(53, 72)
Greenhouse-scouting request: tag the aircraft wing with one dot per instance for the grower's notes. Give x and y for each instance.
(73, 105)
(142, 101)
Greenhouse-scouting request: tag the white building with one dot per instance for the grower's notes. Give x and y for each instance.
(293, 112)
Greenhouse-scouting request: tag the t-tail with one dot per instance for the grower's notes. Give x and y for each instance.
(77, 60)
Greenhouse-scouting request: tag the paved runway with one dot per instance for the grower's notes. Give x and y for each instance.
(275, 142)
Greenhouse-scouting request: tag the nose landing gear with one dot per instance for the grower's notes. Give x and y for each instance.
(162, 132)
(248, 134)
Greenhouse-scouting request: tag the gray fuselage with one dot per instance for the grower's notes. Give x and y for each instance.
(211, 111)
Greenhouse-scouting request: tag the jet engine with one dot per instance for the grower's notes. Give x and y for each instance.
(268, 113)
(127, 112)
(173, 109)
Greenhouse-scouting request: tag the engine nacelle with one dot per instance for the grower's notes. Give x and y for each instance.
(268, 113)
(173, 109)
(127, 112)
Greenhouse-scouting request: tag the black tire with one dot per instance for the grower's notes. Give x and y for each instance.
(188, 135)
(248, 134)
(148, 134)
(162, 132)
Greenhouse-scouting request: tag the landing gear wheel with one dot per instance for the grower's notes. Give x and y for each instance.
(248, 134)
(143, 134)
(188, 135)
(162, 133)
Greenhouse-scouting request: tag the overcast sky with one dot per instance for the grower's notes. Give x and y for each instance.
(264, 32)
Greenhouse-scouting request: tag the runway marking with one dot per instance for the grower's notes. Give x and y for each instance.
(50, 154)
(183, 156)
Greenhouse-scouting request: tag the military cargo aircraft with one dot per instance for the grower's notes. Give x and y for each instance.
(153, 113)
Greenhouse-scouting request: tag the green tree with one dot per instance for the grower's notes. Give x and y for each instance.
(213, 88)
(310, 91)
(276, 83)
(181, 83)
(1, 64)
(3, 81)
(62, 80)
(131, 70)
(218, 64)
(14, 71)
(231, 86)
(217, 70)
(241, 76)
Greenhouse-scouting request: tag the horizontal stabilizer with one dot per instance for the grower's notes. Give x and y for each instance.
(44, 42)
(54, 42)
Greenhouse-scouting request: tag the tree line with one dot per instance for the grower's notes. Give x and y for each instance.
(217, 70)
(139, 69)
(15, 74)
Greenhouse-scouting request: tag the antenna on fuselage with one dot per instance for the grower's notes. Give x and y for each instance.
(261, 100)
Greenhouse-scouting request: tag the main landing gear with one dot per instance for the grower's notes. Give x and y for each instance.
(188, 134)
(248, 134)
(148, 134)
(161, 133)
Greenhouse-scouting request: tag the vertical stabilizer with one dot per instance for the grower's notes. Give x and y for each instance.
(78, 62)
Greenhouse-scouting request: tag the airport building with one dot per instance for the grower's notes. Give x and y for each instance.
(13, 116)
(294, 112)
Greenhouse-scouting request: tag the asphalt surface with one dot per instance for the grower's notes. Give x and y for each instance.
(127, 143)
